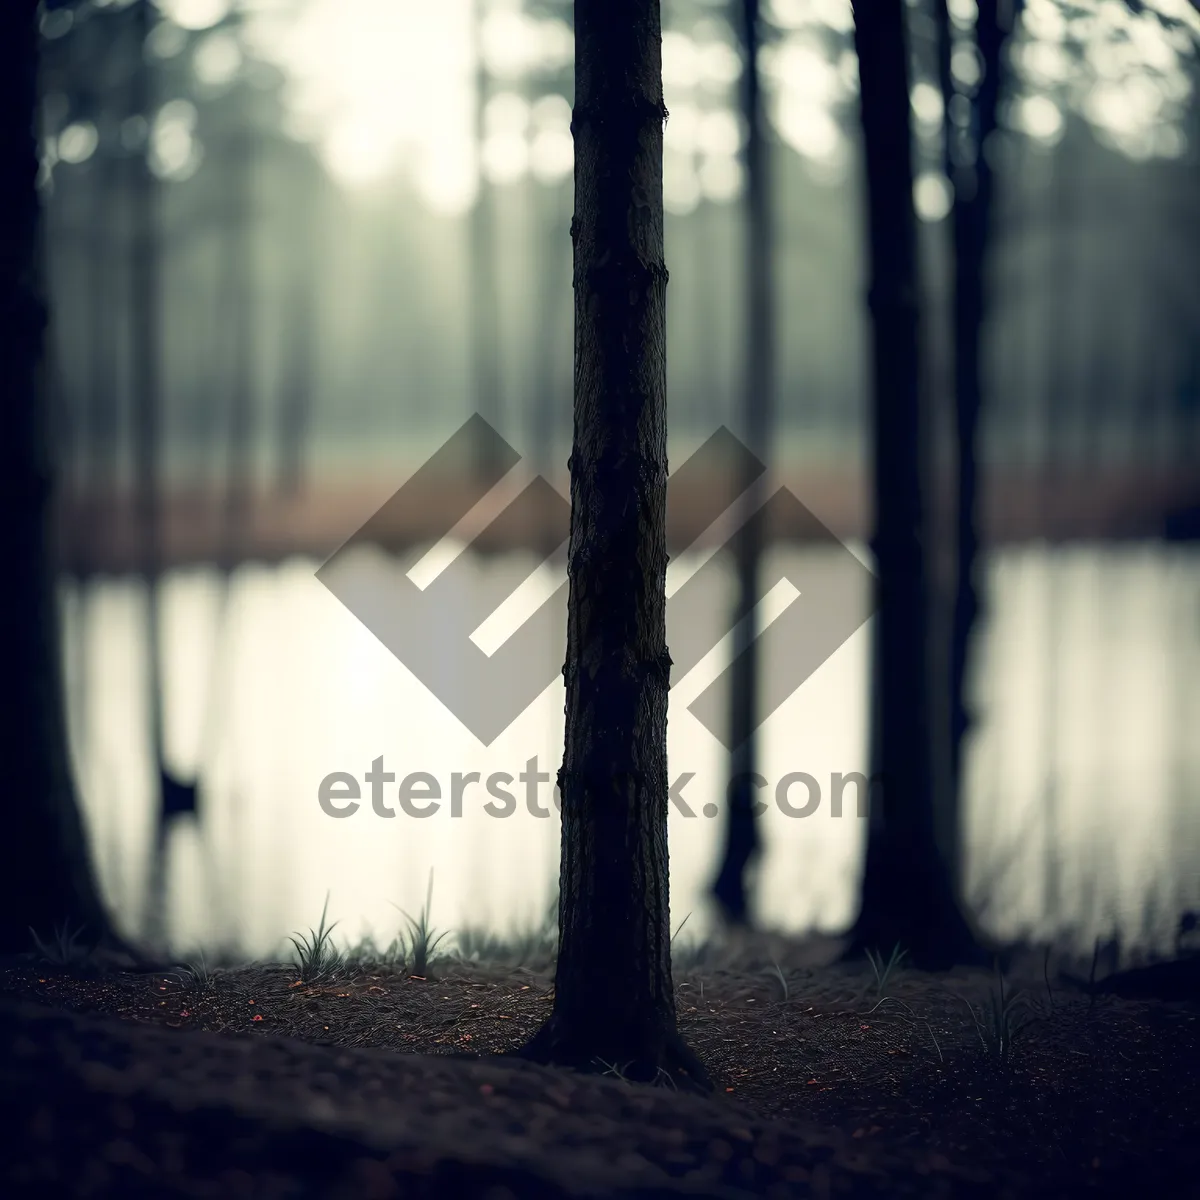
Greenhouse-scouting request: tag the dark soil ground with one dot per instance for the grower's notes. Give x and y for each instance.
(255, 1082)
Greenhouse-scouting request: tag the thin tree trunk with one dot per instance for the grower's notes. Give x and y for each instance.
(614, 1003)
(1055, 421)
(972, 178)
(907, 893)
(742, 844)
(242, 325)
(46, 877)
(172, 795)
(484, 291)
(99, 410)
(144, 371)
(549, 386)
(300, 338)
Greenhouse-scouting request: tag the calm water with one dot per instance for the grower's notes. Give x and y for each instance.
(1084, 776)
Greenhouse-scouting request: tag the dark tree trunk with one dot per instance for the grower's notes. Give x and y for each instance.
(742, 844)
(614, 1004)
(907, 891)
(98, 420)
(970, 173)
(46, 877)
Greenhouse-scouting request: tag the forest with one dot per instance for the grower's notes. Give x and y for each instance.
(602, 597)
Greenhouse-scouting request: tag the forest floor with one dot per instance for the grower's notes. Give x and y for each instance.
(253, 1081)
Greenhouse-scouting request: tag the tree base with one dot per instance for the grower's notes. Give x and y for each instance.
(664, 1061)
(925, 953)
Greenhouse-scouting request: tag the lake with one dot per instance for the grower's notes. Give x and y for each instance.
(1081, 816)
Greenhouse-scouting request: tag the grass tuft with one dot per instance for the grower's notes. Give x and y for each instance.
(316, 956)
(423, 939)
(195, 973)
(1001, 1020)
(885, 969)
(64, 947)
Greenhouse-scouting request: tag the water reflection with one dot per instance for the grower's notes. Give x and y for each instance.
(1080, 781)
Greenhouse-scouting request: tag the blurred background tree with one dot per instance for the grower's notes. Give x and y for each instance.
(47, 882)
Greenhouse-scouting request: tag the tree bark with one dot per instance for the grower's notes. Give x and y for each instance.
(614, 1004)
(908, 897)
(46, 876)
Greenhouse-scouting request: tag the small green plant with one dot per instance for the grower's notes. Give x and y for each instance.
(1001, 1020)
(423, 939)
(64, 948)
(884, 969)
(316, 956)
(195, 973)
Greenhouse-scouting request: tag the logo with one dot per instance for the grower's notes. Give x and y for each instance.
(433, 626)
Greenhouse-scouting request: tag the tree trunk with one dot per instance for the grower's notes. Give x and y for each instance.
(614, 1005)
(301, 332)
(742, 844)
(907, 892)
(173, 796)
(46, 876)
(970, 173)
(484, 292)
